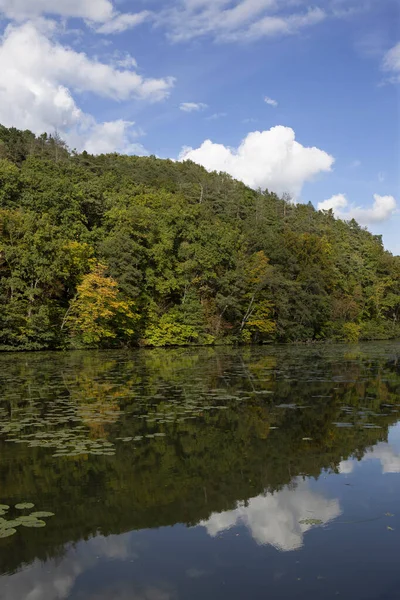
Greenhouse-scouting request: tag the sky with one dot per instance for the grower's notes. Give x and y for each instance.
(294, 96)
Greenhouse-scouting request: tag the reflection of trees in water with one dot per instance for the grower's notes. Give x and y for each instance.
(206, 464)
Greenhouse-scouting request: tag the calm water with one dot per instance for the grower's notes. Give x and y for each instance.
(204, 474)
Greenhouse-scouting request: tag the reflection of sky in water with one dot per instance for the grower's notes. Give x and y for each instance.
(55, 580)
(275, 518)
(272, 519)
(155, 564)
(387, 453)
(180, 563)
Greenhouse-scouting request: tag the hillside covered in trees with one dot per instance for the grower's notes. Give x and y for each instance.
(110, 250)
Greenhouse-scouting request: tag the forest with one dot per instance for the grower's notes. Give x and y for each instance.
(122, 251)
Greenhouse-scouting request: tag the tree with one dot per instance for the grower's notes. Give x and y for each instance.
(98, 314)
(199, 256)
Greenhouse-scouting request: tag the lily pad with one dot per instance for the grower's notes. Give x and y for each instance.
(24, 505)
(10, 524)
(41, 513)
(311, 522)
(4, 507)
(34, 523)
(7, 532)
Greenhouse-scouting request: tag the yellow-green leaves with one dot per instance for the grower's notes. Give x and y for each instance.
(98, 312)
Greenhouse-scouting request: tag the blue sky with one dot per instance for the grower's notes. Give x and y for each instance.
(320, 83)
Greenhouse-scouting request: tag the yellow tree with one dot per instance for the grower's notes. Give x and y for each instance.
(257, 318)
(98, 313)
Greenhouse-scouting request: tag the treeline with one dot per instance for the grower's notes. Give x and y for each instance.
(111, 250)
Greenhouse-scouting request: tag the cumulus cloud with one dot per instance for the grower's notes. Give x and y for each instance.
(275, 518)
(383, 208)
(28, 57)
(39, 77)
(391, 62)
(94, 10)
(123, 21)
(335, 203)
(192, 106)
(270, 101)
(241, 20)
(104, 138)
(270, 159)
(99, 13)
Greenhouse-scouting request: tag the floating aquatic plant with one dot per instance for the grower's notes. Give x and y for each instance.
(33, 520)
(311, 522)
(4, 533)
(34, 523)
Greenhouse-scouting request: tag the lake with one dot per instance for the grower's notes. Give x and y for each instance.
(193, 474)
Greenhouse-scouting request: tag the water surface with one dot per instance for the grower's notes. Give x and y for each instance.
(202, 474)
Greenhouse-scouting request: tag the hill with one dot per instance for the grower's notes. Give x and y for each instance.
(111, 250)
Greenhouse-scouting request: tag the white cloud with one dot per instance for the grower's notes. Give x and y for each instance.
(270, 159)
(391, 62)
(270, 101)
(335, 203)
(104, 138)
(271, 26)
(124, 60)
(383, 208)
(39, 77)
(192, 106)
(122, 22)
(28, 57)
(234, 21)
(275, 518)
(100, 12)
(216, 116)
(94, 10)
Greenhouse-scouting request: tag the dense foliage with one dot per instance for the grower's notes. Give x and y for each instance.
(117, 250)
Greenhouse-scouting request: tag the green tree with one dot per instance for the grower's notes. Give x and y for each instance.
(98, 313)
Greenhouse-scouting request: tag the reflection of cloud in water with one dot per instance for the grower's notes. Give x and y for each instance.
(385, 453)
(346, 467)
(120, 591)
(38, 583)
(54, 580)
(274, 518)
(390, 461)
